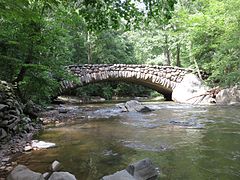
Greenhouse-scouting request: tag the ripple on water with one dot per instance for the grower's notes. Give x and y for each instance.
(138, 145)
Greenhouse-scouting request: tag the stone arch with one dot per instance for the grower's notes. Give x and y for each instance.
(163, 79)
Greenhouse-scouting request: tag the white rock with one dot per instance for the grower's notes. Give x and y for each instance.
(190, 90)
(42, 145)
(62, 176)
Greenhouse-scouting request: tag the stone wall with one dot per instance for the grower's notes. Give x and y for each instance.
(12, 119)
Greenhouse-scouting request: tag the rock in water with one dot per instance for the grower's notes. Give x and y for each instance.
(21, 172)
(62, 176)
(120, 175)
(143, 170)
(230, 96)
(55, 166)
(133, 106)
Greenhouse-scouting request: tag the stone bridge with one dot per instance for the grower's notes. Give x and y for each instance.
(163, 79)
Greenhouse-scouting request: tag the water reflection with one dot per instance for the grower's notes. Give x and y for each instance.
(110, 140)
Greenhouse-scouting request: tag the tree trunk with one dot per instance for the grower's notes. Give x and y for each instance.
(89, 48)
(167, 52)
(192, 59)
(23, 69)
(178, 55)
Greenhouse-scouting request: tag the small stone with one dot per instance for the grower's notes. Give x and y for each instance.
(62, 110)
(14, 163)
(9, 168)
(2, 107)
(61, 124)
(46, 175)
(6, 159)
(55, 166)
(28, 148)
(2, 167)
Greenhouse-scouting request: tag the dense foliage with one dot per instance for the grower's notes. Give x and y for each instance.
(39, 37)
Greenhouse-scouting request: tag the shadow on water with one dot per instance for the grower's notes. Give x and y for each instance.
(185, 142)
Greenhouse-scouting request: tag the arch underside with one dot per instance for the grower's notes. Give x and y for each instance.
(166, 92)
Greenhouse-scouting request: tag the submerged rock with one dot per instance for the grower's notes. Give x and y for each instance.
(21, 172)
(187, 124)
(133, 106)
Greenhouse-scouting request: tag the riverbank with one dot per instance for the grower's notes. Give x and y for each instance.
(55, 115)
(64, 113)
(16, 127)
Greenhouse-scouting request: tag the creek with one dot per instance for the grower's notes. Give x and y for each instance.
(184, 141)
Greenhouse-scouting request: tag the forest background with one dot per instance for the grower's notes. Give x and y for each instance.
(38, 38)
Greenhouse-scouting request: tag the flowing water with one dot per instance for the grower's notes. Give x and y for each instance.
(184, 141)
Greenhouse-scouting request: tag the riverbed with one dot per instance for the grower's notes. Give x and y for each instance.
(184, 141)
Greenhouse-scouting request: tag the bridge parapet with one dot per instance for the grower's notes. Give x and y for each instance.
(161, 78)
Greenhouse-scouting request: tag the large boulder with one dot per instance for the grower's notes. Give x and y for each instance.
(62, 176)
(230, 96)
(141, 170)
(133, 106)
(21, 172)
(119, 175)
(191, 90)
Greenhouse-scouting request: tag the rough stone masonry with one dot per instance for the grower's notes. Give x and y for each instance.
(160, 78)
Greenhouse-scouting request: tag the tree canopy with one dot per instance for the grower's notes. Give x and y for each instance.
(38, 38)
